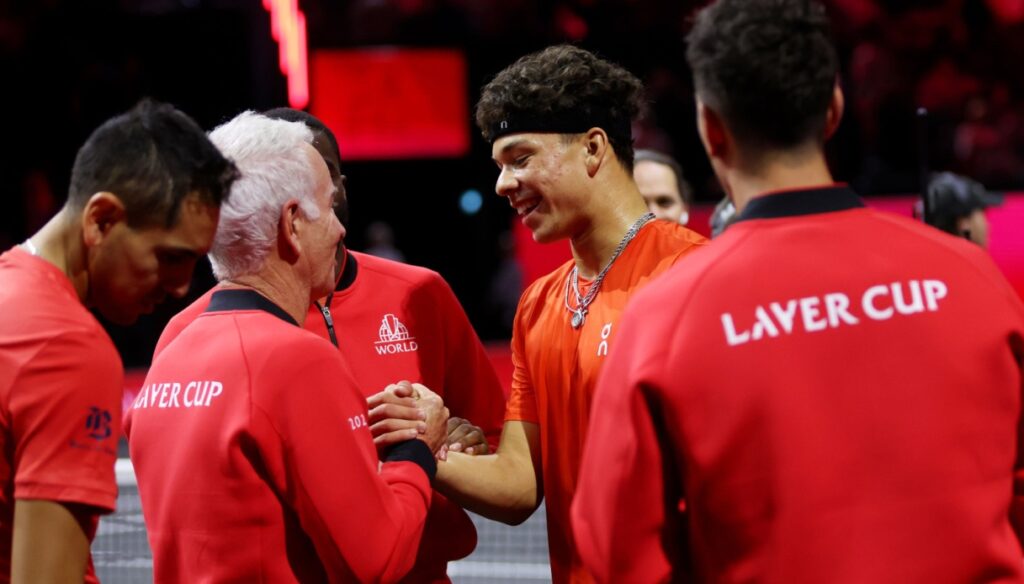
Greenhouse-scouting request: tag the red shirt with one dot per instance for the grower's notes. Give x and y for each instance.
(60, 397)
(556, 368)
(394, 321)
(830, 393)
(255, 462)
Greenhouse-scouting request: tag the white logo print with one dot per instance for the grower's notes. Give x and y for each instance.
(606, 331)
(394, 337)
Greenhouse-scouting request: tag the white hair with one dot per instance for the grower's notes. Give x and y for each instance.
(274, 168)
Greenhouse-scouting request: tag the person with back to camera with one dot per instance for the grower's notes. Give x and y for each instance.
(828, 393)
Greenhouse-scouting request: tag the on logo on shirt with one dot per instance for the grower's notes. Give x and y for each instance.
(394, 337)
(602, 347)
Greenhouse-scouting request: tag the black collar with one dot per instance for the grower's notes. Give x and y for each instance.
(348, 273)
(802, 202)
(243, 299)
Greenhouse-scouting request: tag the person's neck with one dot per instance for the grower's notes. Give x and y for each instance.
(779, 174)
(609, 220)
(282, 289)
(60, 243)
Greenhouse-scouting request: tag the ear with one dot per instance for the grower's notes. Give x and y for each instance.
(102, 212)
(835, 111)
(597, 146)
(713, 133)
(288, 228)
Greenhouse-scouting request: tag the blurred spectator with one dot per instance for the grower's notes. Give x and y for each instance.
(985, 140)
(506, 286)
(660, 180)
(958, 206)
(380, 242)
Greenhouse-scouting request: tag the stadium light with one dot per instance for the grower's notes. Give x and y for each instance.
(288, 27)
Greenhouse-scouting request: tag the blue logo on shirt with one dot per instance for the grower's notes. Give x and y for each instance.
(97, 423)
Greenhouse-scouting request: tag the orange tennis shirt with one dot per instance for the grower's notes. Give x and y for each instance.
(556, 367)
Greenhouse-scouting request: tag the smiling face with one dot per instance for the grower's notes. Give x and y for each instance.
(131, 270)
(657, 183)
(543, 176)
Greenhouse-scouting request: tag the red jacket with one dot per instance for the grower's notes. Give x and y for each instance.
(825, 394)
(394, 321)
(255, 462)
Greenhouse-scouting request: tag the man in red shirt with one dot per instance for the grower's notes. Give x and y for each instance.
(141, 210)
(827, 393)
(394, 321)
(559, 124)
(250, 429)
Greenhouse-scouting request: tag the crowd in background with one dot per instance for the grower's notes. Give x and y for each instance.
(66, 65)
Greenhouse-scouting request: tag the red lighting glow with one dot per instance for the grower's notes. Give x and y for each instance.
(288, 27)
(392, 103)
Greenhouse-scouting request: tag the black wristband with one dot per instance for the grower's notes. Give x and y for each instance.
(416, 452)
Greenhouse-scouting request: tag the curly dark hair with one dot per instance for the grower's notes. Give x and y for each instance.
(152, 158)
(766, 66)
(563, 83)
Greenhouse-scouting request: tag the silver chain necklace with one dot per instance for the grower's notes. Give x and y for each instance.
(579, 314)
(32, 249)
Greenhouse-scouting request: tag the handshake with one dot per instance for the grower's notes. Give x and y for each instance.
(405, 411)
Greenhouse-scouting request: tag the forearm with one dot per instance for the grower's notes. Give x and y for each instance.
(49, 545)
(503, 486)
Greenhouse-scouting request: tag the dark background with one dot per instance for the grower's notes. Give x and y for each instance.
(67, 65)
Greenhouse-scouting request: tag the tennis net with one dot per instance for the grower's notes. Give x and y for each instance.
(504, 555)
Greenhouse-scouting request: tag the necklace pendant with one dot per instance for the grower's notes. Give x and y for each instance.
(578, 316)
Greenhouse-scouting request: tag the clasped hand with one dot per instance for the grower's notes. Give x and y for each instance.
(404, 411)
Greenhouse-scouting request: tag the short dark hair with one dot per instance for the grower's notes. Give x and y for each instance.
(565, 82)
(151, 158)
(768, 67)
(312, 122)
(685, 190)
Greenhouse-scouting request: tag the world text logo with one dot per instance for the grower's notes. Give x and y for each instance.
(394, 337)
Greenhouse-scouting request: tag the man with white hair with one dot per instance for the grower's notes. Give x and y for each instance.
(250, 429)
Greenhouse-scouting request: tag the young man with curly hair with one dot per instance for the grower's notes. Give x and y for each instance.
(828, 393)
(559, 124)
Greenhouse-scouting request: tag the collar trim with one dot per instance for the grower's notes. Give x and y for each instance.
(348, 273)
(246, 299)
(801, 202)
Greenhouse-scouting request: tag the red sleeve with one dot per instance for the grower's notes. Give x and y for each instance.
(617, 517)
(1014, 317)
(1016, 341)
(364, 522)
(1017, 504)
(471, 387)
(65, 410)
(522, 401)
